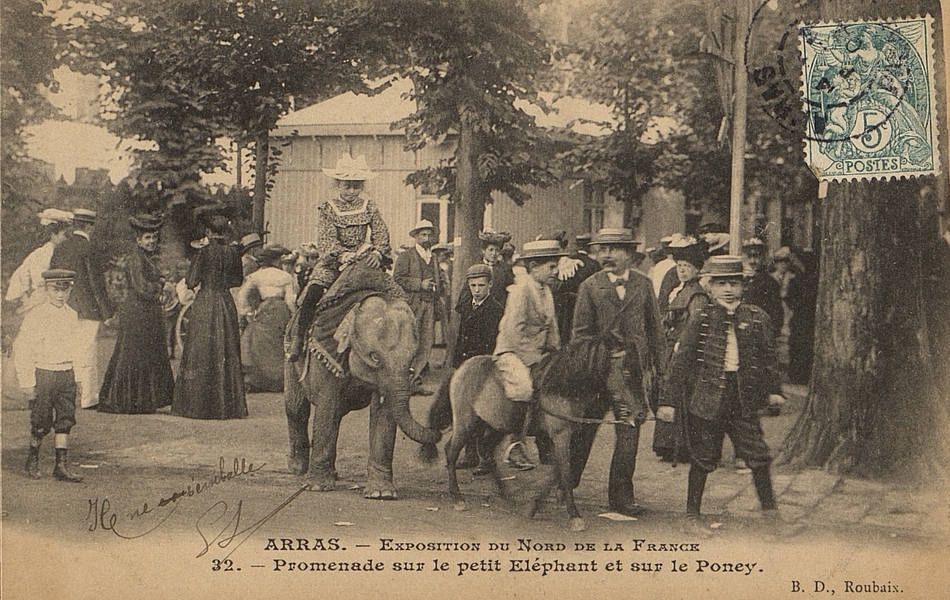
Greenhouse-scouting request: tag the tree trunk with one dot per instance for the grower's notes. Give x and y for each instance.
(261, 157)
(470, 198)
(874, 405)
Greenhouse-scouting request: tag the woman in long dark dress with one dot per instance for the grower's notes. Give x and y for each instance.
(210, 383)
(139, 377)
(683, 302)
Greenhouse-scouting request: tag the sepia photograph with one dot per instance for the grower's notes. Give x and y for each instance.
(474, 299)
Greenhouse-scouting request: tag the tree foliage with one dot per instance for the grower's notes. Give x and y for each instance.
(26, 73)
(641, 61)
(185, 73)
(474, 64)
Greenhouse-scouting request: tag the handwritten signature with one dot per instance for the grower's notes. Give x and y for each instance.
(104, 517)
(231, 532)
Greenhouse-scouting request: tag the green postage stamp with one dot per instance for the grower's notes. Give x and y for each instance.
(869, 97)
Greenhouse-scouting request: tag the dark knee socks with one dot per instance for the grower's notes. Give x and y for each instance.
(308, 306)
(694, 494)
(762, 478)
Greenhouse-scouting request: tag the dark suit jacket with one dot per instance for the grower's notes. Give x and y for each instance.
(670, 281)
(410, 270)
(565, 294)
(88, 298)
(696, 379)
(478, 329)
(637, 329)
(764, 291)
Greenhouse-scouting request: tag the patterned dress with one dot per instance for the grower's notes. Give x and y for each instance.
(348, 227)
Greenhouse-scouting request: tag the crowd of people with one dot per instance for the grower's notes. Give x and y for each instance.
(681, 334)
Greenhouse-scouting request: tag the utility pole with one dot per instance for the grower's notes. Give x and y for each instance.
(725, 40)
(740, 87)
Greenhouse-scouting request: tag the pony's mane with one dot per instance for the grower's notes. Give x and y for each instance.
(579, 369)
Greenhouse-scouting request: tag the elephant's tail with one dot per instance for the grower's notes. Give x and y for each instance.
(440, 417)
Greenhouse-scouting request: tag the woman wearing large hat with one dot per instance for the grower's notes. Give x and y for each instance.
(210, 382)
(351, 229)
(683, 303)
(139, 377)
(27, 279)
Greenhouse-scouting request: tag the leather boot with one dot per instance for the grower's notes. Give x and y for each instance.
(517, 458)
(33, 462)
(308, 306)
(61, 470)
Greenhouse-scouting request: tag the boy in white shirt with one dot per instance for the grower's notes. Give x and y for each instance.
(44, 354)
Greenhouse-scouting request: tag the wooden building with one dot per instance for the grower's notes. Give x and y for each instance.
(316, 137)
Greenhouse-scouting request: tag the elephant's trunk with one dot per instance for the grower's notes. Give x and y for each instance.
(405, 420)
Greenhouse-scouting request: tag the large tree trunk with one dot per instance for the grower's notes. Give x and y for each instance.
(261, 157)
(874, 405)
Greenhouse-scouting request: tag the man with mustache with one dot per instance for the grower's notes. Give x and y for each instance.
(618, 304)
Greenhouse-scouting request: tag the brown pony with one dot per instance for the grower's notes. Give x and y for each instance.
(570, 390)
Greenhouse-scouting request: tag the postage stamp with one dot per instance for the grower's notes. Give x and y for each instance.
(869, 97)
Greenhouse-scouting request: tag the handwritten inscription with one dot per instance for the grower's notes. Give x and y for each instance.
(102, 516)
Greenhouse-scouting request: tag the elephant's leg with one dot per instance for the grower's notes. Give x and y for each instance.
(326, 415)
(297, 408)
(382, 440)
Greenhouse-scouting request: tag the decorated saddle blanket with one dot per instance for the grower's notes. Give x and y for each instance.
(335, 313)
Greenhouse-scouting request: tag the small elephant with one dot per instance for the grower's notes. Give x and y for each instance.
(382, 344)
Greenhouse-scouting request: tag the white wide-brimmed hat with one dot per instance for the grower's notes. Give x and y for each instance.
(350, 169)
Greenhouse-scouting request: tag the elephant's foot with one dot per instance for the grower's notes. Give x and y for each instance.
(321, 486)
(460, 505)
(375, 493)
(577, 524)
(322, 481)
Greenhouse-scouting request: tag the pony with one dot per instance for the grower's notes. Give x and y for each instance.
(570, 392)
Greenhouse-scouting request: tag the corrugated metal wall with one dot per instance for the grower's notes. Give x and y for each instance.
(559, 207)
(300, 185)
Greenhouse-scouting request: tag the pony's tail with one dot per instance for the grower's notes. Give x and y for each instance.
(440, 417)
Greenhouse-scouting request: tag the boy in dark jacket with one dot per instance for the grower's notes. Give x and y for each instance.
(722, 373)
(478, 317)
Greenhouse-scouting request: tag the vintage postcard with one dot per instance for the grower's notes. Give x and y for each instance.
(170, 429)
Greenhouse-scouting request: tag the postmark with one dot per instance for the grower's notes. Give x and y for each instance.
(869, 99)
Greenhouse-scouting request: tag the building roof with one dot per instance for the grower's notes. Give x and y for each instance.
(353, 114)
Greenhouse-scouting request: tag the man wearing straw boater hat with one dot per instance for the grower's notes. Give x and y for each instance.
(528, 329)
(88, 298)
(351, 229)
(418, 273)
(618, 304)
(730, 343)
